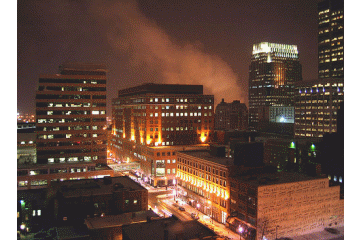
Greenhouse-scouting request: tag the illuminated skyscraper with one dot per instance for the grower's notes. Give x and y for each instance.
(273, 71)
(331, 39)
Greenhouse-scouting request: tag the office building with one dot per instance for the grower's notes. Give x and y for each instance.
(331, 39)
(151, 122)
(203, 181)
(316, 106)
(70, 126)
(273, 71)
(280, 205)
(71, 115)
(231, 116)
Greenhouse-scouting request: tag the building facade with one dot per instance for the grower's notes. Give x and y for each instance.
(316, 106)
(273, 71)
(152, 122)
(231, 116)
(262, 205)
(71, 115)
(203, 182)
(73, 201)
(35, 176)
(331, 39)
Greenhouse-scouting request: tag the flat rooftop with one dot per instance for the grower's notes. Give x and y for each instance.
(176, 230)
(119, 220)
(264, 179)
(205, 155)
(162, 89)
(88, 187)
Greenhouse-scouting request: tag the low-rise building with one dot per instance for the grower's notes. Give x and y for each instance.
(73, 201)
(282, 204)
(168, 229)
(203, 181)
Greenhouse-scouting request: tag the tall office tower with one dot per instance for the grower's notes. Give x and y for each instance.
(71, 115)
(153, 121)
(273, 71)
(231, 116)
(316, 106)
(331, 39)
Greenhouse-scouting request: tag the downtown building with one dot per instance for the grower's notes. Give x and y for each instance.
(331, 39)
(203, 181)
(70, 127)
(317, 104)
(273, 71)
(282, 205)
(231, 116)
(151, 122)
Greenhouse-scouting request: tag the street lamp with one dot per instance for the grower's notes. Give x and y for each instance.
(211, 216)
(241, 230)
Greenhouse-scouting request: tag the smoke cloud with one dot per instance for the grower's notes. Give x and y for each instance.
(156, 57)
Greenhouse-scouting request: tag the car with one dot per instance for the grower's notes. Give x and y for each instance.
(194, 216)
(181, 208)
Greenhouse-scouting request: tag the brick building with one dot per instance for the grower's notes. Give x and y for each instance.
(151, 122)
(282, 204)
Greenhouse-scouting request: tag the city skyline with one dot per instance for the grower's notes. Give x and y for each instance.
(52, 33)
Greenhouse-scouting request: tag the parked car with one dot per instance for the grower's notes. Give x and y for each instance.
(194, 216)
(181, 208)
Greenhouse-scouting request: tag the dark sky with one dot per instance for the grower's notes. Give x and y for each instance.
(165, 41)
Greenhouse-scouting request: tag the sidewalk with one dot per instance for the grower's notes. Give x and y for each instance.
(218, 228)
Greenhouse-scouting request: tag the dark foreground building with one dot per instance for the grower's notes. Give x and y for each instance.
(73, 201)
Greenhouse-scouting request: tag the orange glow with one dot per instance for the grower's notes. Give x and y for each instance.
(132, 137)
(124, 135)
(209, 202)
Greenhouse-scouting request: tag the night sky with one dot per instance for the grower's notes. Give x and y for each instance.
(161, 41)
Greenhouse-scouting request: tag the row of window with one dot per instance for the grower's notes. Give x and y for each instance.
(69, 135)
(68, 88)
(65, 96)
(70, 120)
(68, 128)
(60, 80)
(59, 104)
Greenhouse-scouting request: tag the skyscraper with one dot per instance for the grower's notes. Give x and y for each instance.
(331, 39)
(273, 71)
(317, 104)
(70, 115)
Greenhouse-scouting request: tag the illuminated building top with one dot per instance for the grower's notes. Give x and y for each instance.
(275, 49)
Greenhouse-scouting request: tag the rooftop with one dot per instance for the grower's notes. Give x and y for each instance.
(275, 178)
(162, 89)
(205, 155)
(119, 220)
(175, 229)
(88, 187)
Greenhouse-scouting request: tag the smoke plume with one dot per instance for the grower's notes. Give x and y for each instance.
(159, 58)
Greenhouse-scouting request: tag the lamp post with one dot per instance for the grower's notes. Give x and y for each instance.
(241, 230)
(175, 183)
(211, 216)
